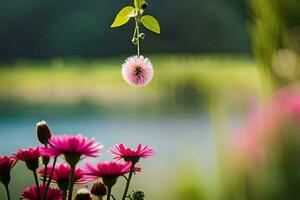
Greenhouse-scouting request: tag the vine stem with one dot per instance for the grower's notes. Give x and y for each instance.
(108, 193)
(71, 182)
(37, 185)
(128, 181)
(138, 35)
(50, 178)
(137, 27)
(7, 191)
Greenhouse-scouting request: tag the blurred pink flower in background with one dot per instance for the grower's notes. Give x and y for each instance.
(31, 193)
(120, 151)
(28, 154)
(264, 125)
(137, 71)
(72, 144)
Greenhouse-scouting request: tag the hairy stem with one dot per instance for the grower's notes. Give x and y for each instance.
(71, 182)
(49, 180)
(7, 191)
(128, 181)
(37, 185)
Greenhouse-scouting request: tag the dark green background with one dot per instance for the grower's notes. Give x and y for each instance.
(81, 28)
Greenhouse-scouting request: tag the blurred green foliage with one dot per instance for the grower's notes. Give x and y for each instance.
(62, 28)
(182, 83)
(275, 28)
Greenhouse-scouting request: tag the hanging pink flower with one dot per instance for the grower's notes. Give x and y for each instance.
(61, 175)
(31, 193)
(73, 147)
(137, 70)
(120, 151)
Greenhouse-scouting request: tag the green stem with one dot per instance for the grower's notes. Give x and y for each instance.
(45, 171)
(64, 195)
(37, 185)
(128, 181)
(7, 191)
(137, 21)
(49, 180)
(137, 27)
(71, 182)
(45, 174)
(108, 193)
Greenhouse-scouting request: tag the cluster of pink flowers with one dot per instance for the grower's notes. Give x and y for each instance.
(263, 127)
(59, 178)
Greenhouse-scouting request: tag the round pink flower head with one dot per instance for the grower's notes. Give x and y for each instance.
(108, 171)
(61, 175)
(6, 164)
(29, 156)
(137, 70)
(31, 193)
(120, 151)
(73, 147)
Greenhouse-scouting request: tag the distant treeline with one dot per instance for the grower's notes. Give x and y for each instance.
(81, 28)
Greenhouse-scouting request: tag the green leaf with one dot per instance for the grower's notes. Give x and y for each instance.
(151, 23)
(123, 16)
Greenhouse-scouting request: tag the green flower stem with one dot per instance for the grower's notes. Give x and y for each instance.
(45, 171)
(45, 174)
(138, 35)
(137, 27)
(7, 191)
(128, 181)
(71, 182)
(108, 193)
(37, 185)
(49, 180)
(64, 195)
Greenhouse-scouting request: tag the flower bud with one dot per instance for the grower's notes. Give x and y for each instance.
(138, 195)
(142, 36)
(43, 132)
(83, 194)
(99, 189)
(145, 6)
(134, 41)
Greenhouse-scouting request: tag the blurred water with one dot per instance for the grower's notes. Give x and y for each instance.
(175, 139)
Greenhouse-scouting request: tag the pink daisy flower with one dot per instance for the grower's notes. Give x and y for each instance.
(120, 151)
(31, 193)
(73, 147)
(137, 70)
(108, 171)
(29, 156)
(6, 164)
(61, 175)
